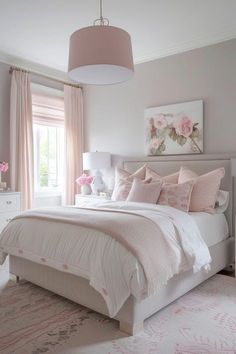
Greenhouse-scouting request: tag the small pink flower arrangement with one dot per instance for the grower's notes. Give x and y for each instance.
(84, 180)
(3, 166)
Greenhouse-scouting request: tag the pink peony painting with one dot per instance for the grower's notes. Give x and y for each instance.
(174, 129)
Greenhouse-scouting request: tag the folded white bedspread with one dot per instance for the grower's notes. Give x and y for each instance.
(122, 248)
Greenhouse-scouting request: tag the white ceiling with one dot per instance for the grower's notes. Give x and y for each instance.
(39, 31)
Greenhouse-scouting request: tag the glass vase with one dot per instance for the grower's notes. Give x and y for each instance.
(86, 189)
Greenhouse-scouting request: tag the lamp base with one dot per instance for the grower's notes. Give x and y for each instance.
(97, 185)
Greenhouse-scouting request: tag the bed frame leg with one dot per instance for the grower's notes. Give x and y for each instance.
(15, 278)
(131, 328)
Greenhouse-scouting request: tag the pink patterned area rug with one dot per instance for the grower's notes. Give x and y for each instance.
(35, 321)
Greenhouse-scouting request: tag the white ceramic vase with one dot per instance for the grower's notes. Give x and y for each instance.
(3, 185)
(86, 189)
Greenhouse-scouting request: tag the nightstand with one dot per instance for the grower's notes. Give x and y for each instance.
(89, 199)
(9, 207)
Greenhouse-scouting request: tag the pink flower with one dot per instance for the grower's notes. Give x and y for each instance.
(183, 126)
(155, 143)
(160, 121)
(84, 179)
(3, 166)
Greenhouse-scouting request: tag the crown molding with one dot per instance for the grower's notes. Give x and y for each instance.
(187, 46)
(32, 66)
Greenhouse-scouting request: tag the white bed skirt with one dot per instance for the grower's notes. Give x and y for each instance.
(133, 313)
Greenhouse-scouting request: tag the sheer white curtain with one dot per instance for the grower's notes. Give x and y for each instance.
(21, 137)
(74, 140)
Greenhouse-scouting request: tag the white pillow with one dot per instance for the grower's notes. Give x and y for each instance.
(222, 201)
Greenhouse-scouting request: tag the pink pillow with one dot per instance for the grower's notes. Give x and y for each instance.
(205, 188)
(121, 190)
(144, 192)
(123, 174)
(123, 182)
(173, 178)
(176, 195)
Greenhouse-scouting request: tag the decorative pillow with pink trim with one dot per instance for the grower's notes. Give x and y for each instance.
(205, 189)
(144, 192)
(176, 195)
(123, 182)
(150, 173)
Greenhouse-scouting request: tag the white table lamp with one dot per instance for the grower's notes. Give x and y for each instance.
(97, 161)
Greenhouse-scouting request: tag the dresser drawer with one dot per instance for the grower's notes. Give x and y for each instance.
(9, 202)
(5, 218)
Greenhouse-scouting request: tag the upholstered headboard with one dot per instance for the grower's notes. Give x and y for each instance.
(199, 163)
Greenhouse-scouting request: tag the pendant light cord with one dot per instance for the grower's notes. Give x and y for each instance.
(101, 10)
(101, 21)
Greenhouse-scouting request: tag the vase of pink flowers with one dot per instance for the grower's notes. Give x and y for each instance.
(3, 168)
(85, 182)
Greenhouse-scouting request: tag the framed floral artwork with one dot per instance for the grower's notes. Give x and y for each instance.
(174, 129)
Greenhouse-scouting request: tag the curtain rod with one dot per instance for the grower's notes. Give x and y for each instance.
(12, 68)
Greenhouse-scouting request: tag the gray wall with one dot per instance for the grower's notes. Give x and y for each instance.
(114, 115)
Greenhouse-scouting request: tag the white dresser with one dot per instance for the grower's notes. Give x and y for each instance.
(9, 207)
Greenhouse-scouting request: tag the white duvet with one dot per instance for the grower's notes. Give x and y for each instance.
(112, 270)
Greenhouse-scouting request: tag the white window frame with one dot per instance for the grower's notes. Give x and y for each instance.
(45, 192)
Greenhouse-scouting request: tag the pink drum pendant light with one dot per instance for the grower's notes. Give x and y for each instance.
(100, 54)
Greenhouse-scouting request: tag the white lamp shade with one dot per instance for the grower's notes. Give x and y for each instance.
(100, 55)
(233, 167)
(96, 160)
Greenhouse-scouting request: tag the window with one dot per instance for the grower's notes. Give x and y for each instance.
(48, 129)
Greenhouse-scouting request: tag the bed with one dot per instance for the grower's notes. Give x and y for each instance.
(133, 313)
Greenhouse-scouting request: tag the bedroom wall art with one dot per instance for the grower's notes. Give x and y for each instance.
(174, 129)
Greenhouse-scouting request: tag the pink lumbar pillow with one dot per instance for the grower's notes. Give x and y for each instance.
(205, 188)
(144, 192)
(150, 173)
(123, 182)
(176, 195)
